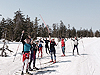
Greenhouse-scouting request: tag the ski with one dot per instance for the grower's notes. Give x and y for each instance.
(19, 73)
(41, 69)
(48, 62)
(51, 64)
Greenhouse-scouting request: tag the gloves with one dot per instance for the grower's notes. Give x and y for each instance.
(22, 52)
(50, 34)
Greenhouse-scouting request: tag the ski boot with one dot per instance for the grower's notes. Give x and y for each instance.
(41, 56)
(63, 55)
(51, 61)
(22, 73)
(27, 71)
(54, 61)
(30, 69)
(35, 68)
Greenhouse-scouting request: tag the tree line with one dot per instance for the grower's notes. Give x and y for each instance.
(11, 29)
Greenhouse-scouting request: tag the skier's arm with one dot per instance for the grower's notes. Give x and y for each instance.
(22, 37)
(42, 41)
(49, 37)
(48, 41)
(65, 40)
(72, 39)
(56, 44)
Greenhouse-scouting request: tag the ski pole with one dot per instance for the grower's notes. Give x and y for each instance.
(45, 23)
(16, 52)
(17, 49)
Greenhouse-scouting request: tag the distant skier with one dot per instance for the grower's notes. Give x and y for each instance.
(52, 49)
(40, 47)
(75, 45)
(46, 45)
(26, 52)
(63, 46)
(33, 55)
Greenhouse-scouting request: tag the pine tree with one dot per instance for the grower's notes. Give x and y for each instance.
(3, 27)
(10, 28)
(18, 24)
(35, 27)
(97, 33)
(54, 32)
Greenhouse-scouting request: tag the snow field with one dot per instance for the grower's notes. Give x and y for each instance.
(87, 63)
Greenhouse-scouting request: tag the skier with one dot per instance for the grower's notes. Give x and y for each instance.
(40, 47)
(46, 45)
(52, 49)
(33, 55)
(75, 45)
(63, 46)
(26, 52)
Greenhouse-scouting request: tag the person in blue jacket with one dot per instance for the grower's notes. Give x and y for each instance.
(26, 52)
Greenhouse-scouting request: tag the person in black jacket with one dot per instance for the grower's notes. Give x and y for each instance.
(34, 49)
(46, 45)
(52, 49)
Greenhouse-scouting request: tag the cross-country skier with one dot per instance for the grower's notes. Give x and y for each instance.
(75, 45)
(40, 47)
(63, 46)
(46, 45)
(52, 49)
(33, 55)
(26, 52)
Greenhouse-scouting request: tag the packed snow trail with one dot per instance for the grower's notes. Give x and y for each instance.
(87, 63)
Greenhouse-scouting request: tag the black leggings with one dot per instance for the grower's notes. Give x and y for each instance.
(47, 47)
(32, 57)
(75, 46)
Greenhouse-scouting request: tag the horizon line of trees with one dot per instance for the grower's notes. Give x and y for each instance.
(11, 29)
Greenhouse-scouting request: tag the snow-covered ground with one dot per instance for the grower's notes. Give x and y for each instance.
(88, 63)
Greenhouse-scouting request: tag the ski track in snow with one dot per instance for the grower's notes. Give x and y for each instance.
(87, 63)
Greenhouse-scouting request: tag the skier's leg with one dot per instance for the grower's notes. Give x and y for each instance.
(51, 57)
(34, 58)
(23, 66)
(77, 49)
(34, 63)
(73, 49)
(54, 56)
(27, 65)
(23, 62)
(41, 51)
(31, 56)
(46, 49)
(63, 50)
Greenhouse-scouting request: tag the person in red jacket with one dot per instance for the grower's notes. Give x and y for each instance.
(63, 46)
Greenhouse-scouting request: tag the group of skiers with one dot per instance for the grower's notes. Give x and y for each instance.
(30, 48)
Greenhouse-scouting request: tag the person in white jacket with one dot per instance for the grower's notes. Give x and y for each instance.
(75, 45)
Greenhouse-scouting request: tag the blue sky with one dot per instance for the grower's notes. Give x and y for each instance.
(77, 13)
